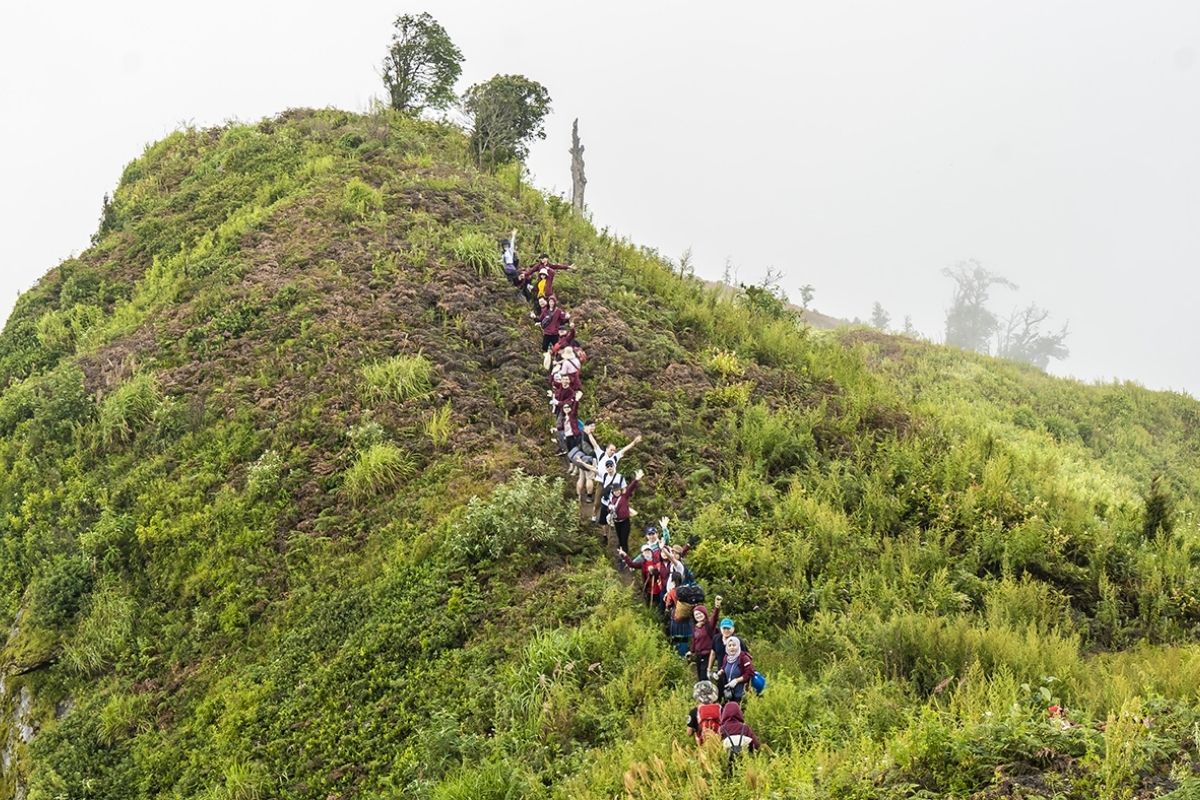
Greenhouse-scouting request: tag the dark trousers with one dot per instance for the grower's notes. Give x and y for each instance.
(622, 526)
(700, 662)
(548, 340)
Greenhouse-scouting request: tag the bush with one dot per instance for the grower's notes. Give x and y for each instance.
(103, 634)
(360, 200)
(520, 517)
(398, 378)
(476, 251)
(129, 408)
(56, 595)
(377, 469)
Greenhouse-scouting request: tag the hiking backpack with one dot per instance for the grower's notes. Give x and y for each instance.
(693, 594)
(709, 717)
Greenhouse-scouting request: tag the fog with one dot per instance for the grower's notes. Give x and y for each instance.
(860, 147)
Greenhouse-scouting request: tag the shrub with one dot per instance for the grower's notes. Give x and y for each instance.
(361, 200)
(56, 595)
(377, 469)
(726, 363)
(398, 378)
(476, 251)
(102, 635)
(129, 408)
(521, 516)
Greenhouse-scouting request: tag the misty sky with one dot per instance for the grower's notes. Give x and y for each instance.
(857, 146)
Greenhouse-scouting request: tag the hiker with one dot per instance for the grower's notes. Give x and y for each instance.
(585, 463)
(704, 630)
(539, 311)
(727, 631)
(541, 275)
(570, 428)
(678, 573)
(736, 735)
(561, 391)
(620, 511)
(549, 320)
(705, 718)
(566, 335)
(610, 481)
(735, 672)
(508, 258)
(611, 453)
(650, 565)
(569, 363)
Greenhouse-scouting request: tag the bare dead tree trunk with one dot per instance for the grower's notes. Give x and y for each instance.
(578, 180)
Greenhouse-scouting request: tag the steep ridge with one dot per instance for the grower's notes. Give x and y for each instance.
(242, 435)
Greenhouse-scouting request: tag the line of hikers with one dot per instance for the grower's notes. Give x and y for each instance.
(719, 658)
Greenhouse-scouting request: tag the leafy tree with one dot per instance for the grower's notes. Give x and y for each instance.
(969, 323)
(1022, 338)
(880, 318)
(1159, 518)
(767, 297)
(422, 65)
(506, 113)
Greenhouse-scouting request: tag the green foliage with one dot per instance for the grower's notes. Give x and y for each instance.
(260, 594)
(376, 470)
(422, 65)
(360, 200)
(477, 251)
(103, 634)
(506, 112)
(129, 408)
(398, 378)
(439, 425)
(525, 514)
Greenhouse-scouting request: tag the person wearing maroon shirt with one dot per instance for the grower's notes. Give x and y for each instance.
(569, 426)
(550, 270)
(550, 321)
(649, 562)
(619, 503)
(566, 335)
(704, 629)
(564, 391)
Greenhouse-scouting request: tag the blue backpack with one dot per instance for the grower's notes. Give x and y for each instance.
(758, 682)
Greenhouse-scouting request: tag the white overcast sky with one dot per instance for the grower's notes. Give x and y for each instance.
(857, 146)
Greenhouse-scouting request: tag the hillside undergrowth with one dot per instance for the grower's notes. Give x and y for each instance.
(281, 518)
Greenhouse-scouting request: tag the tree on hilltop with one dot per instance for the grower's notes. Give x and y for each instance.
(1022, 338)
(505, 114)
(422, 65)
(969, 323)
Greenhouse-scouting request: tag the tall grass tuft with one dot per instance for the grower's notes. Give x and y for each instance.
(129, 408)
(476, 251)
(437, 427)
(361, 200)
(398, 378)
(102, 636)
(378, 468)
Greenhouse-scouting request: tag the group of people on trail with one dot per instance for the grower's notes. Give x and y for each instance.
(717, 655)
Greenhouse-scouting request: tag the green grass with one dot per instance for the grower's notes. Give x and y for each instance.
(259, 568)
(398, 378)
(376, 470)
(129, 408)
(477, 251)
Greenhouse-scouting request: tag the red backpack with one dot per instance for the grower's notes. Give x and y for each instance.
(709, 715)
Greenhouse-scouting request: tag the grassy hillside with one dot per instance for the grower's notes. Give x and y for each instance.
(280, 516)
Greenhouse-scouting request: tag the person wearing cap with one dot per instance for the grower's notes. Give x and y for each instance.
(650, 565)
(727, 631)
